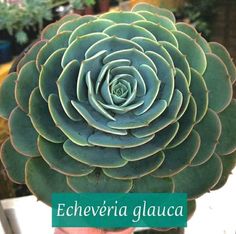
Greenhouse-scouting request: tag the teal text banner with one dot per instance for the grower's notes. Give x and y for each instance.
(118, 210)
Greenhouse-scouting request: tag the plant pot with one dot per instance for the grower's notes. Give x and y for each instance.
(5, 51)
(85, 11)
(104, 5)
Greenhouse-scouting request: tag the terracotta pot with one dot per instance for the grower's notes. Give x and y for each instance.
(104, 5)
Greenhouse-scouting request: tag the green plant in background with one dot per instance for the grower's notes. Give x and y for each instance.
(200, 13)
(121, 102)
(17, 18)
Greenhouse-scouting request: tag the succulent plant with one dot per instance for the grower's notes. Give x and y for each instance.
(121, 102)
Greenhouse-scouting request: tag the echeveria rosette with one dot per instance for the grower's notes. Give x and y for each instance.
(121, 102)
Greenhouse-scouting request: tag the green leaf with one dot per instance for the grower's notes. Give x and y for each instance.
(159, 142)
(42, 120)
(217, 79)
(128, 31)
(198, 180)
(31, 54)
(122, 17)
(158, 19)
(98, 182)
(98, 25)
(111, 44)
(229, 162)
(95, 119)
(178, 158)
(66, 84)
(152, 47)
(60, 161)
(181, 84)
(209, 130)
(186, 124)
(152, 185)
(75, 23)
(179, 59)
(13, 162)
(52, 68)
(81, 44)
(155, 10)
(160, 32)
(192, 32)
(135, 56)
(95, 156)
(193, 52)
(27, 80)
(165, 74)
(58, 42)
(7, 96)
(199, 92)
(227, 141)
(166, 118)
(76, 131)
(108, 140)
(221, 51)
(42, 181)
(137, 169)
(23, 135)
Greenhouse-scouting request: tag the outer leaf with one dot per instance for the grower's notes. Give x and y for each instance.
(229, 162)
(198, 180)
(209, 130)
(27, 80)
(153, 185)
(13, 162)
(98, 182)
(217, 79)
(227, 141)
(178, 158)
(7, 97)
(95, 156)
(23, 136)
(60, 161)
(43, 181)
(134, 170)
(42, 120)
(220, 51)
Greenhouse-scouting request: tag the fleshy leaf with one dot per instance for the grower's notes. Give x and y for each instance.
(60, 161)
(152, 185)
(43, 181)
(209, 130)
(95, 156)
(180, 157)
(220, 51)
(200, 179)
(199, 92)
(27, 80)
(42, 120)
(228, 162)
(13, 162)
(98, 182)
(227, 141)
(52, 68)
(159, 142)
(133, 170)
(76, 131)
(23, 136)
(155, 10)
(7, 97)
(217, 79)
